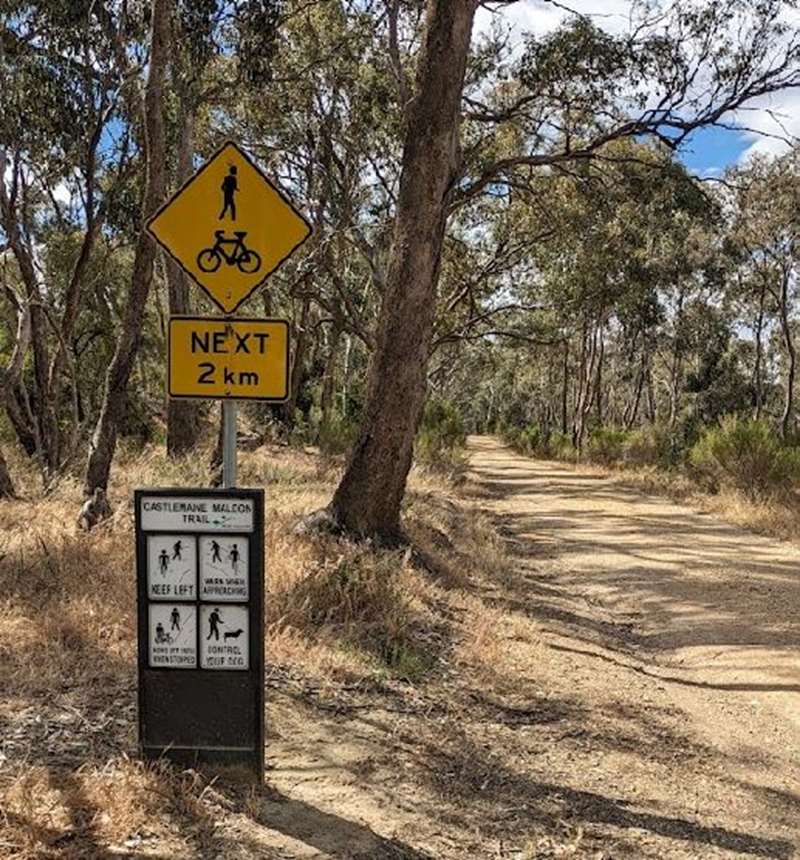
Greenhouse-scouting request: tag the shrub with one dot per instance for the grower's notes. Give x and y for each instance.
(606, 445)
(746, 455)
(532, 441)
(560, 447)
(441, 438)
(642, 448)
(655, 445)
(336, 435)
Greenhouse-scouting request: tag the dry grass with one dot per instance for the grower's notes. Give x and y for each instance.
(336, 612)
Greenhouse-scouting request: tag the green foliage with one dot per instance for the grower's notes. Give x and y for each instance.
(336, 435)
(527, 440)
(560, 446)
(532, 441)
(643, 447)
(606, 445)
(746, 455)
(441, 437)
(657, 445)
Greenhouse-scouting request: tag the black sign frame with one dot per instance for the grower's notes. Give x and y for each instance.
(211, 719)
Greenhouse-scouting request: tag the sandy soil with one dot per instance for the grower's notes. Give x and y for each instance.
(677, 624)
(647, 704)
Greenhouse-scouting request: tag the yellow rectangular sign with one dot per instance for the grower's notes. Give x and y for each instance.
(240, 359)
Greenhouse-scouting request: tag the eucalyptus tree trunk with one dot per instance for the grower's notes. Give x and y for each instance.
(565, 390)
(590, 358)
(183, 425)
(104, 440)
(676, 371)
(367, 501)
(329, 378)
(758, 382)
(11, 374)
(6, 484)
(791, 356)
(598, 382)
(632, 410)
(298, 364)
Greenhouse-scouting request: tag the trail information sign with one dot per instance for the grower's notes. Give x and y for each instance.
(200, 568)
(229, 227)
(245, 359)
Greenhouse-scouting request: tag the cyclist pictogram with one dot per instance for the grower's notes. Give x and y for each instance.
(232, 250)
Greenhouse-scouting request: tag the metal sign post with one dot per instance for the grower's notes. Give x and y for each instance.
(229, 414)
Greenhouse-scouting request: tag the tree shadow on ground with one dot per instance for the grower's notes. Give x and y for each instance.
(482, 778)
(336, 836)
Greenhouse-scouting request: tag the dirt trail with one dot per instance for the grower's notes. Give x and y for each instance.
(661, 609)
(644, 703)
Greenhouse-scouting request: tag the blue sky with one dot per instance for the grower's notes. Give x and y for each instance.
(710, 150)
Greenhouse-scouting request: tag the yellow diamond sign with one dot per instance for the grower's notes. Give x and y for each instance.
(229, 227)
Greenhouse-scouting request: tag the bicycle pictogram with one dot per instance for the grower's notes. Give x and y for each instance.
(233, 251)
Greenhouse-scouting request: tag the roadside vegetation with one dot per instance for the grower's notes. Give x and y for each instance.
(506, 239)
(741, 468)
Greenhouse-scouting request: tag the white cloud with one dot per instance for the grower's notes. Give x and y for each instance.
(770, 120)
(537, 17)
(62, 193)
(773, 121)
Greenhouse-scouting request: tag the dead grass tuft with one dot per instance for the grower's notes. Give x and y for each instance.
(355, 599)
(122, 804)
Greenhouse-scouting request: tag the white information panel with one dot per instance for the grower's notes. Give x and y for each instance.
(196, 514)
(224, 637)
(171, 567)
(172, 632)
(224, 568)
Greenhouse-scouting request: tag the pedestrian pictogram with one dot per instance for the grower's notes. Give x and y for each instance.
(242, 359)
(229, 189)
(171, 567)
(224, 562)
(229, 227)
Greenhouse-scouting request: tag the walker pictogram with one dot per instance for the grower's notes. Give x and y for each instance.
(229, 188)
(223, 568)
(229, 227)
